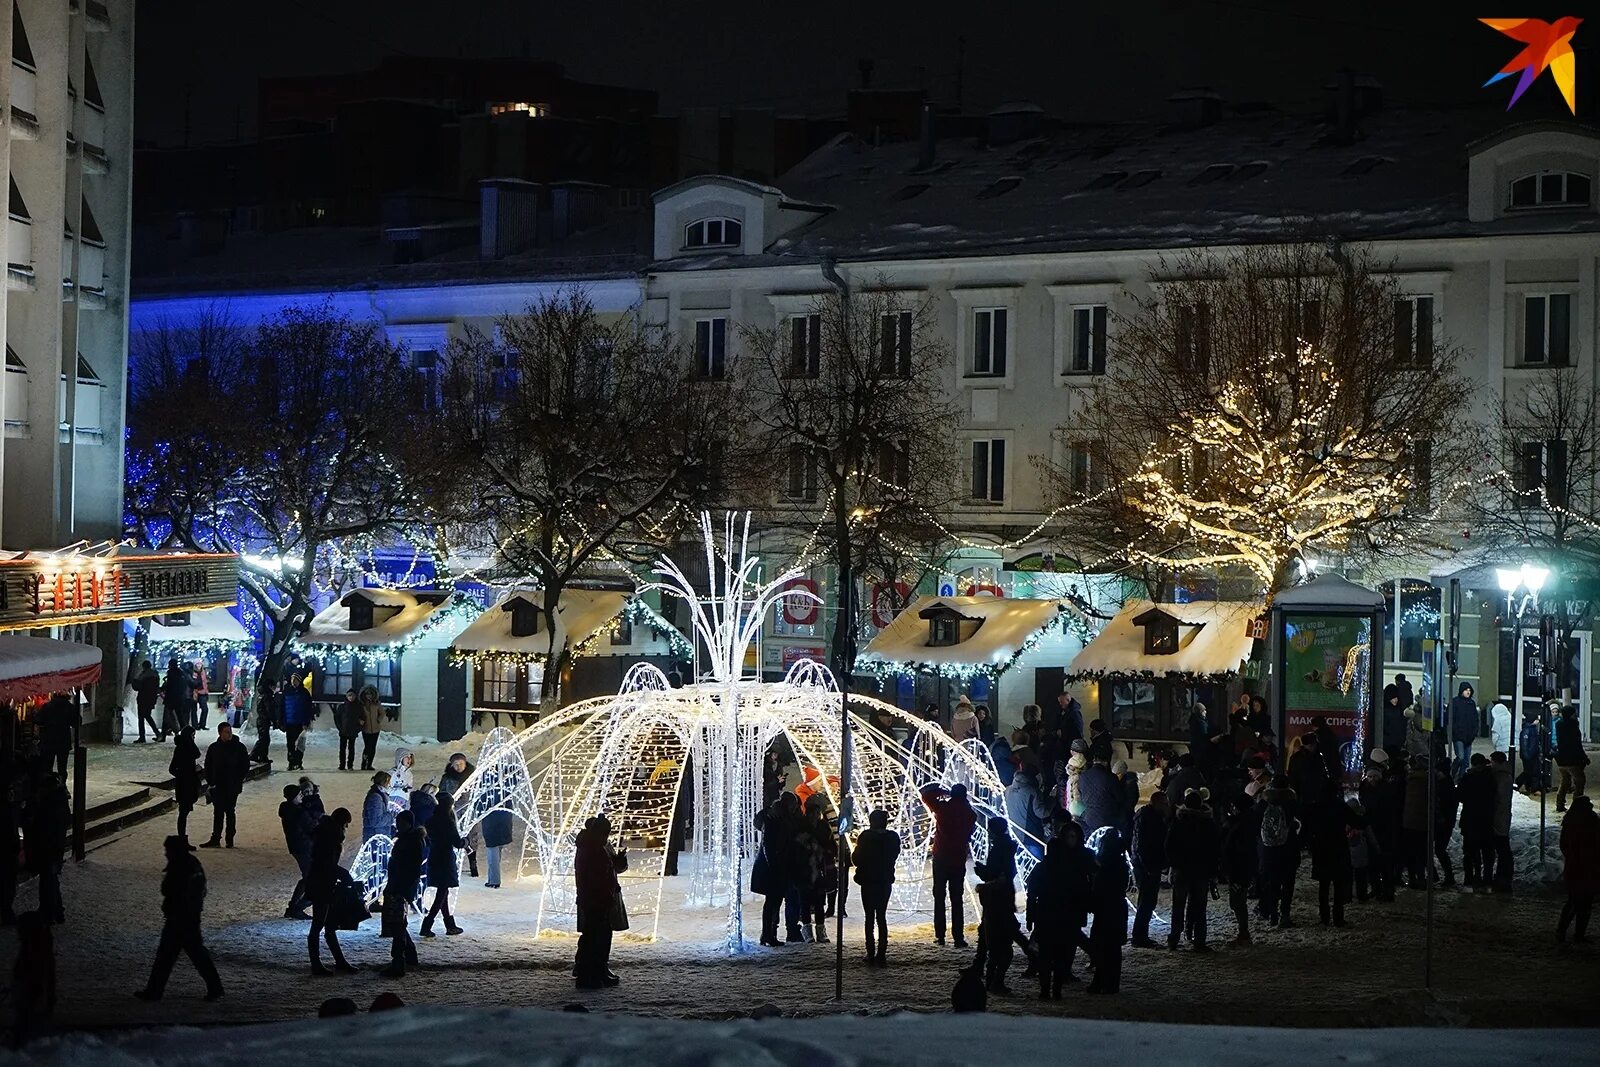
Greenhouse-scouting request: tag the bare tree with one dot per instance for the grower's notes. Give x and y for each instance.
(849, 413)
(1267, 402)
(277, 442)
(578, 443)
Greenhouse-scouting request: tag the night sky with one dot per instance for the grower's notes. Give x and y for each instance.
(198, 62)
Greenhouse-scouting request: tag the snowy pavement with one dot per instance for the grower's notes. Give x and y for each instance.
(1496, 961)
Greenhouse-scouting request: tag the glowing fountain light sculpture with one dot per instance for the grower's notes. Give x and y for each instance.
(628, 756)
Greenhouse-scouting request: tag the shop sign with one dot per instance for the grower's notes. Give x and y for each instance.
(50, 590)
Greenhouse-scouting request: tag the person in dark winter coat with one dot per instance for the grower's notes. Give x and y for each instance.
(324, 876)
(185, 770)
(1102, 746)
(1477, 796)
(1058, 905)
(772, 873)
(59, 723)
(997, 930)
(1464, 720)
(183, 899)
(1501, 873)
(1188, 776)
(1571, 760)
(267, 714)
(1308, 772)
(1330, 856)
(1149, 861)
(443, 840)
(1238, 864)
(347, 720)
(1380, 803)
(1279, 835)
(1328, 746)
(1534, 747)
(876, 852)
(400, 889)
(1395, 702)
(599, 900)
(423, 803)
(298, 827)
(297, 713)
(377, 817)
(1193, 845)
(457, 770)
(146, 692)
(177, 699)
(496, 836)
(1199, 737)
(1580, 852)
(953, 823)
(227, 763)
(1108, 892)
(46, 818)
(1103, 798)
(1030, 811)
(1069, 717)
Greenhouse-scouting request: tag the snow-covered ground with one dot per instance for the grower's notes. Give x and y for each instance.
(1496, 963)
(464, 1037)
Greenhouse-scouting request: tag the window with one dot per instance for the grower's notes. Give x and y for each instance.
(713, 233)
(1413, 331)
(1421, 457)
(989, 342)
(18, 206)
(1080, 468)
(895, 344)
(337, 677)
(1551, 189)
(21, 53)
(360, 614)
(1547, 329)
(1411, 615)
(1192, 335)
(711, 348)
(894, 464)
(944, 630)
(622, 632)
(425, 365)
(1542, 475)
(802, 480)
(805, 345)
(500, 683)
(1088, 354)
(989, 471)
(513, 107)
(630, 199)
(381, 676)
(1160, 638)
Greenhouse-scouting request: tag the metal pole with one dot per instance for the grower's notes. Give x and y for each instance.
(1547, 653)
(849, 622)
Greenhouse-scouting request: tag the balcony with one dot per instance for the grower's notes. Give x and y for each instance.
(19, 254)
(15, 385)
(88, 400)
(24, 105)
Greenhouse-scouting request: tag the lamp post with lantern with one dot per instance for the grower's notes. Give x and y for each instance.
(1521, 587)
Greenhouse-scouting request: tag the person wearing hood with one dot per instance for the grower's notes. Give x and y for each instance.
(377, 817)
(1149, 861)
(771, 873)
(964, 720)
(599, 902)
(1103, 798)
(1130, 795)
(183, 899)
(1279, 835)
(1362, 844)
(371, 725)
(324, 877)
(347, 720)
(953, 823)
(1238, 864)
(1028, 810)
(146, 686)
(1330, 856)
(1058, 906)
(1477, 796)
(1463, 720)
(457, 770)
(1108, 891)
(1394, 715)
(1193, 846)
(1500, 727)
(1534, 747)
(876, 852)
(297, 716)
(401, 782)
(1000, 753)
(1102, 746)
(986, 726)
(400, 890)
(1500, 877)
(1580, 853)
(186, 778)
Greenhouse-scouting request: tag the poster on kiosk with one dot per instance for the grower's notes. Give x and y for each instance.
(1324, 637)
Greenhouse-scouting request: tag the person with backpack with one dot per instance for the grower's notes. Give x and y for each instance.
(876, 852)
(1280, 851)
(1193, 845)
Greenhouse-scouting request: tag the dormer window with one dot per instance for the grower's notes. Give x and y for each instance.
(360, 613)
(1551, 189)
(713, 233)
(947, 626)
(943, 631)
(1160, 632)
(524, 617)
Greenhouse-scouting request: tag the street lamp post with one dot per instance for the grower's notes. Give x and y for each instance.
(1526, 580)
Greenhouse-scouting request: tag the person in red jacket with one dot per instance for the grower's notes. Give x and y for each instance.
(1580, 847)
(953, 821)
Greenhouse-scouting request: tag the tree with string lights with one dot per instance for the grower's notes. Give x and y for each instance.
(576, 444)
(1265, 404)
(850, 415)
(280, 442)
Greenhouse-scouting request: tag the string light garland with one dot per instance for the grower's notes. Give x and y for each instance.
(449, 619)
(886, 668)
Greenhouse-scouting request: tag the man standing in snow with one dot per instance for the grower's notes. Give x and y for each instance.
(266, 716)
(953, 822)
(227, 763)
(183, 898)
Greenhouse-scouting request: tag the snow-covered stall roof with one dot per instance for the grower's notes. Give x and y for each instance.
(1213, 640)
(399, 616)
(1329, 591)
(35, 666)
(215, 626)
(580, 614)
(1006, 627)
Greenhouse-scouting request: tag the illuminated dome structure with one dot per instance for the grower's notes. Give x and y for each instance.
(627, 756)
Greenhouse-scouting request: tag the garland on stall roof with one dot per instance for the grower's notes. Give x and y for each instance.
(457, 616)
(635, 611)
(965, 671)
(1186, 677)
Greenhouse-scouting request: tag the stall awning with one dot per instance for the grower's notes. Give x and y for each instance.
(1006, 627)
(1213, 641)
(37, 666)
(580, 615)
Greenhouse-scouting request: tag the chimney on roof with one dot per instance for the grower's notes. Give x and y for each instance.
(1196, 107)
(509, 219)
(1353, 97)
(930, 137)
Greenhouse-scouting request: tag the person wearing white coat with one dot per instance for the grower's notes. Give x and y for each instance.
(964, 721)
(1500, 727)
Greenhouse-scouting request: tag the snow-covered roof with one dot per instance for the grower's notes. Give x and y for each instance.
(1005, 625)
(417, 609)
(580, 614)
(1213, 639)
(209, 625)
(34, 666)
(1329, 591)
